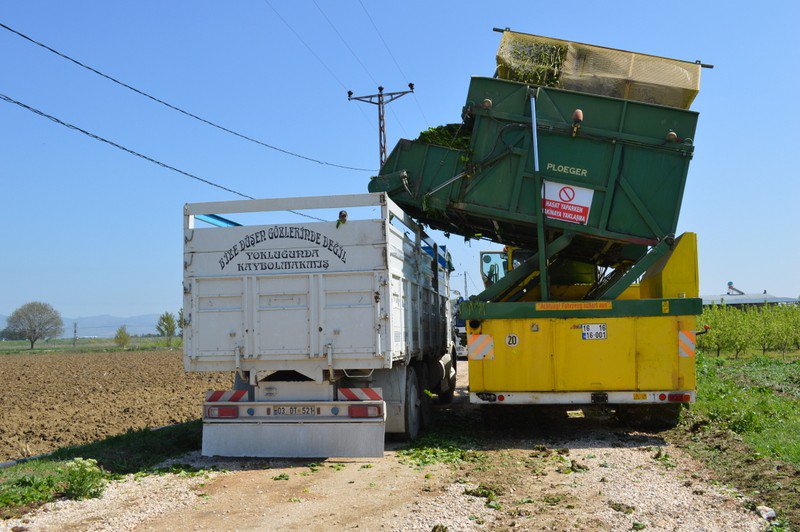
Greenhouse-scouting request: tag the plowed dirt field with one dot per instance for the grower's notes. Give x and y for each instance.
(55, 400)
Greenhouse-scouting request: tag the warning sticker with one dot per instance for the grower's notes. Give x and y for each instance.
(566, 202)
(575, 305)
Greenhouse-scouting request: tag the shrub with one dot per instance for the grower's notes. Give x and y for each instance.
(83, 479)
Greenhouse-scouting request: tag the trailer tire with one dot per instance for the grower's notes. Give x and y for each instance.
(650, 417)
(425, 400)
(446, 398)
(411, 409)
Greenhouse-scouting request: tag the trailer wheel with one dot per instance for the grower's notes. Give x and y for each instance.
(650, 417)
(446, 398)
(412, 408)
(425, 399)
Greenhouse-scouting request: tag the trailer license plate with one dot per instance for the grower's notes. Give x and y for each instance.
(294, 411)
(594, 331)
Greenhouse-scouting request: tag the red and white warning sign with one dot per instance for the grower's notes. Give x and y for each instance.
(566, 202)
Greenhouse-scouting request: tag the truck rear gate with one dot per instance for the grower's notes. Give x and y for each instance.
(317, 319)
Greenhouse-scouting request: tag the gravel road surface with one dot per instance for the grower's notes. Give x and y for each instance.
(573, 474)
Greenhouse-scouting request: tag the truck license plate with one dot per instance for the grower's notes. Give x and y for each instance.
(294, 411)
(594, 331)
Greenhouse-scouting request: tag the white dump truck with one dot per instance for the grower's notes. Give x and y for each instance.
(337, 332)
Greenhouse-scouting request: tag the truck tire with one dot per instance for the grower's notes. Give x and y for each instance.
(411, 410)
(650, 417)
(446, 398)
(425, 400)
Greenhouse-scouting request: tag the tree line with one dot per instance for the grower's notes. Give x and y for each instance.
(36, 321)
(735, 330)
(167, 326)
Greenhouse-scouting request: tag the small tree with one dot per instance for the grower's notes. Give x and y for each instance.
(166, 326)
(714, 339)
(762, 321)
(122, 338)
(36, 320)
(783, 329)
(738, 331)
(794, 320)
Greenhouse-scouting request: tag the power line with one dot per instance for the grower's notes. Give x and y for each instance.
(394, 59)
(397, 118)
(178, 109)
(133, 152)
(469, 277)
(318, 58)
(345, 43)
(357, 58)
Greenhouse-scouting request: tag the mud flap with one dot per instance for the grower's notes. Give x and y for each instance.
(363, 439)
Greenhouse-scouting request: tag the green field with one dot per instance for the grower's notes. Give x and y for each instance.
(86, 344)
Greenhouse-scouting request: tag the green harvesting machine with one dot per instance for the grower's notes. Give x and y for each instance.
(575, 152)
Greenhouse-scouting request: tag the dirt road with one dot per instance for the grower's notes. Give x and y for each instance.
(523, 472)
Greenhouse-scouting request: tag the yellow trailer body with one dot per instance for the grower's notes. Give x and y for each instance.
(631, 354)
(631, 350)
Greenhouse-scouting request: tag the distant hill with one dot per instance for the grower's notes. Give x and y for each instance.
(104, 326)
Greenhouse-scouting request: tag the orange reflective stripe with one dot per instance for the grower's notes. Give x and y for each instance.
(683, 348)
(481, 346)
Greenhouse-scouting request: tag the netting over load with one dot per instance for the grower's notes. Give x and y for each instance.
(597, 70)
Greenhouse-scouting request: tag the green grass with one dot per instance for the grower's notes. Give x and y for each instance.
(82, 471)
(773, 372)
(744, 427)
(756, 397)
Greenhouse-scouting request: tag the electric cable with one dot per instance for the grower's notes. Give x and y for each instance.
(341, 38)
(179, 109)
(319, 60)
(136, 153)
(360, 62)
(394, 60)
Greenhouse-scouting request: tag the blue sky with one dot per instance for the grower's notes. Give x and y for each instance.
(93, 230)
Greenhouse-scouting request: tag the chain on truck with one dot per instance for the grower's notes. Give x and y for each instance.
(337, 331)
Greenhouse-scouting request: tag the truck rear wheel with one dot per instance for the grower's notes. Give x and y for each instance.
(412, 410)
(425, 400)
(446, 398)
(649, 417)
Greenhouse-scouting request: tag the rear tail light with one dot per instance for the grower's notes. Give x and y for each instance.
(364, 411)
(228, 412)
(679, 397)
